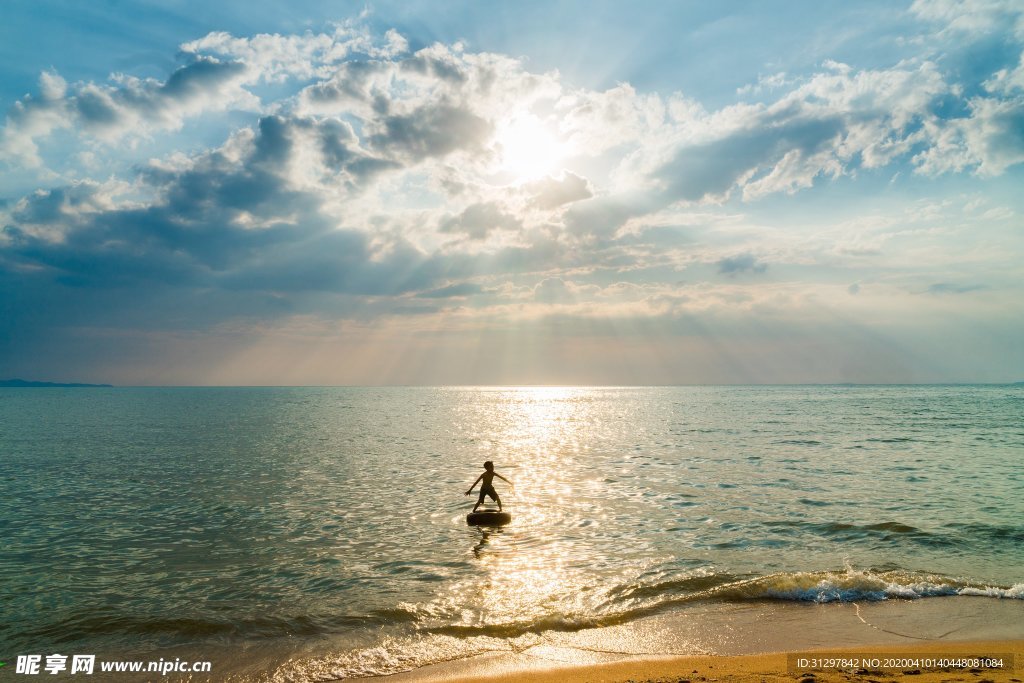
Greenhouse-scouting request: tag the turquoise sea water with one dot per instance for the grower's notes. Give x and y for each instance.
(141, 519)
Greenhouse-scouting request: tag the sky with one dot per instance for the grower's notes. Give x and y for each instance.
(248, 193)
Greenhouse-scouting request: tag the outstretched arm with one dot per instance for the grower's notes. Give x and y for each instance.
(504, 480)
(474, 484)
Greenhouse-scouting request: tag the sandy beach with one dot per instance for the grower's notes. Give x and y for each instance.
(897, 663)
(769, 642)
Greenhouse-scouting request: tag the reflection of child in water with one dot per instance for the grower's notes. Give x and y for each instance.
(486, 487)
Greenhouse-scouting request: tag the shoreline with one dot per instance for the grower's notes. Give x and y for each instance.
(870, 664)
(751, 643)
(711, 643)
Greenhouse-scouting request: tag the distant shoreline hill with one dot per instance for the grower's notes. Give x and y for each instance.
(25, 384)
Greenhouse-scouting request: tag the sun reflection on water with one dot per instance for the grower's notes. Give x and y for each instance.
(535, 569)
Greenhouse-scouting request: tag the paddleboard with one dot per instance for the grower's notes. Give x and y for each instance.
(488, 518)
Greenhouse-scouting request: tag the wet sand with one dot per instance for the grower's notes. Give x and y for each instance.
(776, 668)
(763, 643)
(711, 643)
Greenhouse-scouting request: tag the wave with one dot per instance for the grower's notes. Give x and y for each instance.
(466, 634)
(849, 585)
(392, 656)
(454, 641)
(849, 529)
(999, 533)
(857, 586)
(885, 532)
(110, 624)
(957, 536)
(622, 604)
(635, 601)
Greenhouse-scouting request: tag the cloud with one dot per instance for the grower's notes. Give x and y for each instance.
(990, 140)
(60, 203)
(741, 263)
(368, 186)
(219, 75)
(829, 125)
(972, 17)
(458, 290)
(232, 218)
(430, 131)
(710, 170)
(129, 107)
(408, 108)
(553, 290)
(551, 193)
(276, 58)
(949, 288)
(603, 121)
(479, 221)
(604, 215)
(1007, 81)
(341, 152)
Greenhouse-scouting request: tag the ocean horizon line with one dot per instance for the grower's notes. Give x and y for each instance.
(37, 384)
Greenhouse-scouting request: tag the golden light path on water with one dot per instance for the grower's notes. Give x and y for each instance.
(535, 570)
(327, 525)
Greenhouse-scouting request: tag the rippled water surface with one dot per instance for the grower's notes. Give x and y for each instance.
(177, 517)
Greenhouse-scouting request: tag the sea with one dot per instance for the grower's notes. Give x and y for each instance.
(322, 530)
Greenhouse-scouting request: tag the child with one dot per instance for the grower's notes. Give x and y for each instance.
(486, 488)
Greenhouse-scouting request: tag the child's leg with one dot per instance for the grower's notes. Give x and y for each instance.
(497, 500)
(479, 501)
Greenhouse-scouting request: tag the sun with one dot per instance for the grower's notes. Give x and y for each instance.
(527, 148)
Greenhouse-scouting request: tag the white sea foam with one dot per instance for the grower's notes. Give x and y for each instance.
(1015, 592)
(392, 656)
(854, 585)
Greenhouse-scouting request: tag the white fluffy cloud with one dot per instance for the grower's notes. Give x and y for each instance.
(973, 17)
(990, 140)
(128, 106)
(220, 74)
(403, 108)
(375, 181)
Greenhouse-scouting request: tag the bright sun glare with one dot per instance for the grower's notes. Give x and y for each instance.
(528, 149)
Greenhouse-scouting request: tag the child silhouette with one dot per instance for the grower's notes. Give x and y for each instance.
(486, 487)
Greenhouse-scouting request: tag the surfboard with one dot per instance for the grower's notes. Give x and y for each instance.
(488, 518)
